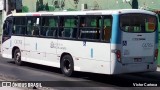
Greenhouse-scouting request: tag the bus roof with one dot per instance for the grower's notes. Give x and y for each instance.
(90, 12)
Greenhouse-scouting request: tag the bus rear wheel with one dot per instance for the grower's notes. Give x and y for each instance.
(67, 66)
(17, 57)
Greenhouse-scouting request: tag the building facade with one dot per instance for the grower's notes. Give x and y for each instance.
(56, 5)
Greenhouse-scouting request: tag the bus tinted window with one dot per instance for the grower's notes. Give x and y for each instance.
(49, 26)
(107, 28)
(19, 26)
(138, 23)
(68, 27)
(33, 28)
(90, 27)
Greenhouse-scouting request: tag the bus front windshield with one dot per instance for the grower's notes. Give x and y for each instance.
(138, 23)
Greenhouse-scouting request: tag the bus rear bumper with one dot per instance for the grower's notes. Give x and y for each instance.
(133, 68)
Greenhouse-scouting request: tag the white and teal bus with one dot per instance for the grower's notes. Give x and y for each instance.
(101, 41)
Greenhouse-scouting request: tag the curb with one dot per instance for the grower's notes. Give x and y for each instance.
(158, 69)
(10, 88)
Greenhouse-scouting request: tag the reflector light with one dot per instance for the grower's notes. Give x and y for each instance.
(118, 53)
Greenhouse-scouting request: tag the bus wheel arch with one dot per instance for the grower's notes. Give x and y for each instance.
(67, 64)
(16, 55)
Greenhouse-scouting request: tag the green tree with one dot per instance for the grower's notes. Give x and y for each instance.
(25, 9)
(46, 7)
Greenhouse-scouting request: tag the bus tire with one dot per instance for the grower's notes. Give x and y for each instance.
(67, 65)
(17, 57)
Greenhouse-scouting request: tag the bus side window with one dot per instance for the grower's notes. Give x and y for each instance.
(107, 28)
(49, 26)
(29, 27)
(19, 26)
(90, 27)
(53, 26)
(35, 30)
(107, 33)
(33, 26)
(68, 27)
(44, 26)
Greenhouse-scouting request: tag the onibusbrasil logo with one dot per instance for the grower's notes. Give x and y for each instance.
(21, 84)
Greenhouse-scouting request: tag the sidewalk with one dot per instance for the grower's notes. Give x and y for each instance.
(10, 88)
(6, 78)
(158, 69)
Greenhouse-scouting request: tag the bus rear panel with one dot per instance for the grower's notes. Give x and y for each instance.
(138, 48)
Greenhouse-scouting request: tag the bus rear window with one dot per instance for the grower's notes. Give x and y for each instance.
(138, 23)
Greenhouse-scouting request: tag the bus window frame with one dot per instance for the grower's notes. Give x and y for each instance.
(90, 40)
(59, 26)
(19, 25)
(33, 26)
(102, 33)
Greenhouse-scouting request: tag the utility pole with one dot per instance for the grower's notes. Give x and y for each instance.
(7, 8)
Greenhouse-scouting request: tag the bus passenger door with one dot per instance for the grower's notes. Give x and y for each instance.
(6, 38)
(33, 42)
(18, 33)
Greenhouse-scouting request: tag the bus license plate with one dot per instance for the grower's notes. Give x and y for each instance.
(137, 59)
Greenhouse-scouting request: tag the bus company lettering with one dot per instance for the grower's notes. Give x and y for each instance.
(18, 42)
(138, 39)
(147, 45)
(52, 45)
(57, 46)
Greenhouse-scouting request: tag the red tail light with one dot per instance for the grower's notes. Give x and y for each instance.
(118, 53)
(156, 54)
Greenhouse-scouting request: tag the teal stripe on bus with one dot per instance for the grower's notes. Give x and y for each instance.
(29, 14)
(157, 38)
(116, 32)
(33, 15)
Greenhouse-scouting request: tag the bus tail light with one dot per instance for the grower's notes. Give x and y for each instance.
(118, 53)
(156, 54)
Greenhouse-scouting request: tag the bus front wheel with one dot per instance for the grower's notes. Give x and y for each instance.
(67, 66)
(17, 57)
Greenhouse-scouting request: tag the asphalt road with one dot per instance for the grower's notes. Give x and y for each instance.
(88, 81)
